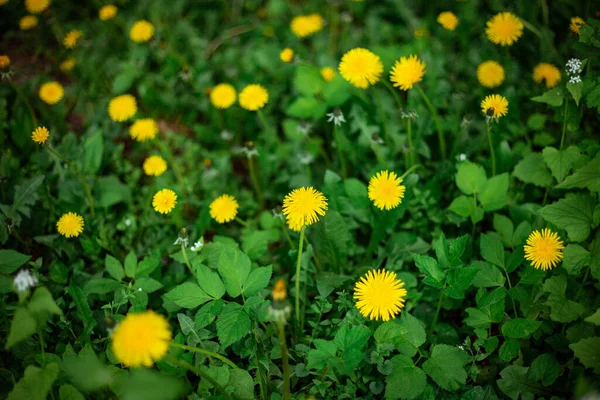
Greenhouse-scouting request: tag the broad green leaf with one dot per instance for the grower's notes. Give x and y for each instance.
(131, 264)
(594, 318)
(520, 328)
(36, 383)
(233, 324)
(458, 280)
(564, 310)
(388, 331)
(101, 286)
(445, 366)
(147, 285)
(257, 281)
(560, 162)
(146, 384)
(575, 214)
(234, 267)
(406, 381)
(318, 358)
(575, 258)
(92, 153)
(532, 169)
(42, 302)
(505, 227)
(337, 92)
(480, 393)
(430, 267)
(556, 285)
(308, 79)
(11, 260)
(515, 382)
(332, 238)
(207, 313)
(493, 196)
(83, 308)
(509, 349)
(553, 97)
(22, 327)
(85, 370)
(587, 351)
(348, 338)
(576, 89)
(478, 319)
(491, 249)
(463, 206)
(109, 190)
(488, 275)
(242, 384)
(409, 342)
(470, 178)
(255, 243)
(545, 369)
(69, 392)
(114, 267)
(186, 324)
(148, 265)
(306, 107)
(188, 295)
(25, 194)
(449, 253)
(586, 177)
(210, 281)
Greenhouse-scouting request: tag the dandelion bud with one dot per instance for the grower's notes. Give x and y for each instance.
(279, 291)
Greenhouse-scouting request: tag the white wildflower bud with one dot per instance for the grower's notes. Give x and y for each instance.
(336, 116)
(24, 280)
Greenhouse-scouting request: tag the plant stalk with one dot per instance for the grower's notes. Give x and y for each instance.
(284, 359)
(298, 270)
(206, 353)
(436, 121)
(488, 130)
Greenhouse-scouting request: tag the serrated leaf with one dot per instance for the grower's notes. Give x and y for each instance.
(585, 177)
(560, 162)
(520, 328)
(588, 351)
(234, 267)
(509, 349)
(515, 382)
(429, 266)
(491, 249)
(553, 97)
(532, 169)
(25, 194)
(147, 285)
(458, 280)
(406, 381)
(545, 369)
(470, 178)
(11, 260)
(114, 267)
(445, 367)
(463, 206)
(188, 295)
(70, 392)
(575, 214)
(232, 324)
(575, 259)
(210, 281)
(36, 383)
(493, 196)
(257, 280)
(488, 275)
(409, 342)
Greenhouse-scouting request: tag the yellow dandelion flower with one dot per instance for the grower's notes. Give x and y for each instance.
(576, 24)
(490, 74)
(223, 95)
(407, 71)
(40, 135)
(141, 31)
(4, 61)
(380, 294)
(286, 55)
(28, 22)
(141, 339)
(71, 38)
(504, 29)
(143, 129)
(448, 20)
(107, 12)
(544, 249)
(51, 92)
(164, 201)
(122, 107)
(361, 67)
(386, 190)
(305, 25)
(495, 106)
(224, 208)
(70, 225)
(155, 166)
(303, 207)
(548, 73)
(328, 73)
(36, 6)
(68, 64)
(253, 97)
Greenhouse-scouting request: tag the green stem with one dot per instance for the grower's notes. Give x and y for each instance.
(436, 121)
(241, 222)
(284, 358)
(206, 353)
(488, 130)
(339, 150)
(510, 287)
(86, 188)
(562, 140)
(411, 154)
(298, 270)
(42, 345)
(287, 235)
(394, 93)
(411, 169)
(437, 312)
(255, 182)
(198, 372)
(185, 257)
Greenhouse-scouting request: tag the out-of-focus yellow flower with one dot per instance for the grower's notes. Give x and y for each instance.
(70, 225)
(141, 31)
(421, 32)
(68, 64)
(407, 72)
(490, 74)
(305, 25)
(36, 6)
(328, 73)
(303, 207)
(70, 40)
(223, 95)
(155, 166)
(224, 208)
(253, 97)
(51, 92)
(361, 67)
(386, 190)
(286, 55)
(122, 107)
(164, 201)
(448, 20)
(40, 135)
(279, 292)
(4, 61)
(495, 106)
(548, 73)
(143, 129)
(504, 29)
(107, 12)
(576, 24)
(28, 22)
(3, 2)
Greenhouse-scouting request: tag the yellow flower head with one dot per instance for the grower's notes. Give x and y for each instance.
(51, 92)
(327, 73)
(122, 107)
(504, 29)
(40, 135)
(361, 67)
(490, 74)
(107, 12)
(253, 97)
(71, 38)
(546, 72)
(279, 292)
(141, 339)
(305, 25)
(406, 72)
(155, 166)
(576, 24)
(4, 61)
(68, 64)
(494, 106)
(164, 201)
(36, 6)
(143, 129)
(28, 22)
(544, 249)
(448, 20)
(386, 190)
(223, 95)
(141, 31)
(70, 225)
(286, 55)
(224, 208)
(303, 207)
(380, 295)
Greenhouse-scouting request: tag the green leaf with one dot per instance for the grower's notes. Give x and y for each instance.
(332, 238)
(463, 206)
(148, 265)
(505, 227)
(478, 319)
(257, 281)
(430, 267)
(101, 286)
(445, 367)
(188, 295)
(515, 382)
(23, 326)
(553, 97)
(242, 384)
(131, 264)
(233, 324)
(459, 279)
(560, 162)
(36, 383)
(588, 352)
(575, 258)
(114, 267)
(491, 249)
(255, 243)
(406, 381)
(576, 89)
(575, 214)
(83, 308)
(488, 275)
(210, 281)
(25, 194)
(585, 177)
(470, 178)
(520, 328)
(145, 384)
(545, 369)
(234, 267)
(493, 196)
(564, 310)
(509, 349)
(42, 302)
(532, 169)
(449, 253)
(409, 342)
(11, 260)
(352, 338)
(388, 331)
(306, 107)
(147, 285)
(69, 392)
(307, 79)
(186, 324)
(594, 318)
(92, 153)
(337, 92)
(109, 190)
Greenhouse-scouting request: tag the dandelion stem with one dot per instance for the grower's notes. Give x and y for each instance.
(255, 182)
(437, 312)
(436, 121)
(562, 140)
(411, 169)
(206, 353)
(298, 268)
(241, 222)
(510, 287)
(284, 359)
(339, 150)
(488, 129)
(411, 154)
(86, 188)
(394, 93)
(185, 257)
(198, 372)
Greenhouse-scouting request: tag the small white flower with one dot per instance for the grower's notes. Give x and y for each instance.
(24, 280)
(461, 347)
(139, 289)
(180, 240)
(574, 66)
(336, 116)
(575, 79)
(226, 135)
(408, 114)
(303, 128)
(198, 245)
(127, 222)
(462, 157)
